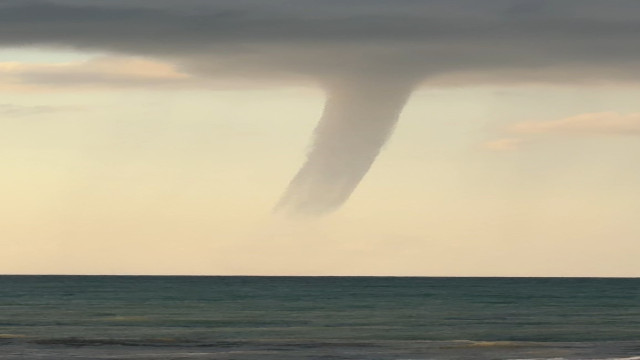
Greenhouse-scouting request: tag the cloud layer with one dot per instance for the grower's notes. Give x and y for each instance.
(334, 38)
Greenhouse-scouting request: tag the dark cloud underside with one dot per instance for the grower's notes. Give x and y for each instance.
(310, 37)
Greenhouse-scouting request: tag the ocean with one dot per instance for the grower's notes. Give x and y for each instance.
(193, 317)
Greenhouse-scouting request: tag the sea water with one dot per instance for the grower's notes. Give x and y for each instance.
(156, 317)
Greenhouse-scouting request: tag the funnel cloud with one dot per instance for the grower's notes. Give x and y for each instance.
(368, 54)
(359, 117)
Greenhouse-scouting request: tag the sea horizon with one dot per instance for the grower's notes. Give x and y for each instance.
(339, 276)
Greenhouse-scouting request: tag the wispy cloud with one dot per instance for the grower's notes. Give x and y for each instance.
(13, 110)
(106, 71)
(589, 124)
(604, 123)
(505, 144)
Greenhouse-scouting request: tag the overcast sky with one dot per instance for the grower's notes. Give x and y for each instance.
(156, 137)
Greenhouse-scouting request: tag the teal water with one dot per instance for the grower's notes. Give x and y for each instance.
(138, 317)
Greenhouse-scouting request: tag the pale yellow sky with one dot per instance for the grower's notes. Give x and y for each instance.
(115, 178)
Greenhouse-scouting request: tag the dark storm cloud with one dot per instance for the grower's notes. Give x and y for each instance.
(325, 37)
(368, 55)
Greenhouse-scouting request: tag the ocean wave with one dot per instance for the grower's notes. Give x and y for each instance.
(500, 344)
(463, 344)
(77, 342)
(126, 318)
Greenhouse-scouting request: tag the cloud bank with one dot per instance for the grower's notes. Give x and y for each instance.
(367, 54)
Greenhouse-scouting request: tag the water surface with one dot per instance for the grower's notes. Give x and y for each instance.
(158, 317)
